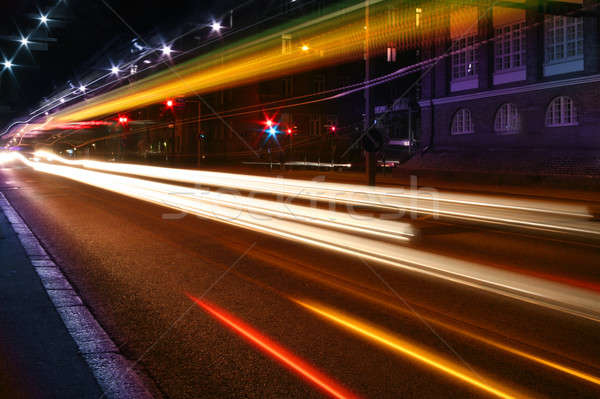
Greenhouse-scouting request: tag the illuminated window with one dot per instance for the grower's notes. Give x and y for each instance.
(391, 54)
(286, 44)
(465, 55)
(561, 112)
(563, 38)
(507, 119)
(418, 13)
(462, 122)
(509, 47)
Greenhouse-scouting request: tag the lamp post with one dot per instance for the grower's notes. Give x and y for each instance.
(370, 166)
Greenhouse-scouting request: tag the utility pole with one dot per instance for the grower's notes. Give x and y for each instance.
(370, 166)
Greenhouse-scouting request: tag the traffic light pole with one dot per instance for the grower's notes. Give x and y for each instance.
(370, 163)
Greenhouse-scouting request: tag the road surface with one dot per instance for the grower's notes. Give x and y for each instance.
(173, 290)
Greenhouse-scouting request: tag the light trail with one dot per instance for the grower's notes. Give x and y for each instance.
(410, 350)
(532, 214)
(572, 300)
(331, 281)
(453, 328)
(336, 37)
(276, 351)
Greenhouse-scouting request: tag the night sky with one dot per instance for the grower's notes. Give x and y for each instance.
(84, 30)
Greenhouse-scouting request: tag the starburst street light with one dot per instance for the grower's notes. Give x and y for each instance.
(166, 50)
(43, 19)
(114, 70)
(24, 41)
(82, 88)
(216, 26)
(7, 64)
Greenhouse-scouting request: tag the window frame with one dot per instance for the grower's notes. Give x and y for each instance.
(506, 111)
(564, 102)
(462, 114)
(504, 46)
(552, 33)
(464, 48)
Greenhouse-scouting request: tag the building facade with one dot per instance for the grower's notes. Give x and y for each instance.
(525, 76)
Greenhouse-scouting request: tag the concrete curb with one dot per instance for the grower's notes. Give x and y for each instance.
(115, 375)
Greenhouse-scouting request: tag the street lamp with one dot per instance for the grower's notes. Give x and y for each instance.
(114, 70)
(24, 41)
(216, 26)
(43, 19)
(7, 64)
(166, 50)
(82, 88)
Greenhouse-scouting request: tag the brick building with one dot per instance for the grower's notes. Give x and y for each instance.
(521, 82)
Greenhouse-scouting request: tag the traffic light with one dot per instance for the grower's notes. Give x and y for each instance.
(169, 103)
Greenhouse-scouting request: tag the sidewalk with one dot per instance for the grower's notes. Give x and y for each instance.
(38, 356)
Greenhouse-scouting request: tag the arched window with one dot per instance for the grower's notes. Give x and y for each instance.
(462, 123)
(507, 119)
(561, 112)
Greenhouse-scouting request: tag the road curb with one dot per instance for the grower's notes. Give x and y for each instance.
(116, 375)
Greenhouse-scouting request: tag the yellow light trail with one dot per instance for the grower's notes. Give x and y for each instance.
(334, 38)
(408, 349)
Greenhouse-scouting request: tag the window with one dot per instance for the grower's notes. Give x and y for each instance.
(391, 54)
(319, 83)
(465, 54)
(462, 123)
(561, 112)
(507, 119)
(563, 38)
(315, 125)
(288, 88)
(286, 44)
(418, 13)
(509, 47)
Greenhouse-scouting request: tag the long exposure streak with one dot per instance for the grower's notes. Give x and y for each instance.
(408, 349)
(276, 351)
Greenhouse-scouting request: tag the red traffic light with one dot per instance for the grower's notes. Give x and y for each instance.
(169, 103)
(123, 120)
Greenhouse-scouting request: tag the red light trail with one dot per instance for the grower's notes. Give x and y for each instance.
(279, 353)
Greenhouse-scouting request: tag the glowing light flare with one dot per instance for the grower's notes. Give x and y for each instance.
(274, 350)
(43, 19)
(7, 64)
(114, 70)
(166, 50)
(305, 47)
(169, 103)
(216, 26)
(24, 41)
(408, 349)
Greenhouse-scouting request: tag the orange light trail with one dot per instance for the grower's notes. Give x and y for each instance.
(408, 349)
(276, 351)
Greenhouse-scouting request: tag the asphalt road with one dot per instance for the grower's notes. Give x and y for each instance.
(135, 264)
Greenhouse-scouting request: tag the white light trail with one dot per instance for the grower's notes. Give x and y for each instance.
(532, 214)
(338, 238)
